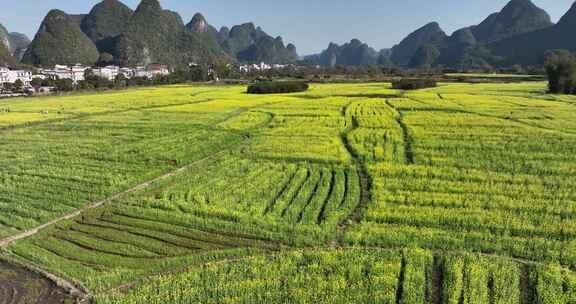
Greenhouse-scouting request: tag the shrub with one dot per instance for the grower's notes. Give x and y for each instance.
(413, 84)
(271, 87)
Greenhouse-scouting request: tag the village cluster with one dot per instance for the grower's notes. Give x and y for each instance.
(78, 72)
(261, 67)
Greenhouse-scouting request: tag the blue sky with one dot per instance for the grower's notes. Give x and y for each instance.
(310, 24)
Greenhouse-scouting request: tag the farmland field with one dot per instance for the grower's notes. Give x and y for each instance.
(347, 193)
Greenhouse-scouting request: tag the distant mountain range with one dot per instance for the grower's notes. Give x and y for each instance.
(354, 52)
(111, 32)
(520, 33)
(478, 46)
(12, 46)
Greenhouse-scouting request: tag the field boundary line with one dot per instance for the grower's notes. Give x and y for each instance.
(95, 204)
(442, 252)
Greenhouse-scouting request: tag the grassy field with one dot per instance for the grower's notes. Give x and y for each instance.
(463, 193)
(357, 276)
(492, 75)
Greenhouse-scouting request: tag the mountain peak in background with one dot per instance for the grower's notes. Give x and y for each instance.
(569, 19)
(149, 34)
(517, 17)
(354, 52)
(248, 43)
(150, 5)
(105, 22)
(480, 46)
(6, 57)
(430, 34)
(60, 41)
(198, 24)
(530, 48)
(18, 44)
(154, 35)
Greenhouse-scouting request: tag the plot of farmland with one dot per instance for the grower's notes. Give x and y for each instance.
(345, 193)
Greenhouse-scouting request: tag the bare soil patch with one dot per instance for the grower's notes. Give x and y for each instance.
(19, 286)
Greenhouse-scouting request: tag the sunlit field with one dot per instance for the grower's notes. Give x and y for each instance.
(346, 193)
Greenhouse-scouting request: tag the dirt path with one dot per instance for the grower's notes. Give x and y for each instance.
(25, 234)
(406, 138)
(365, 183)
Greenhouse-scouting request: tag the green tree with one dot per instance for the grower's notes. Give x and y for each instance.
(223, 70)
(97, 82)
(64, 85)
(85, 85)
(105, 59)
(198, 73)
(561, 70)
(18, 85)
(36, 82)
(121, 81)
(48, 82)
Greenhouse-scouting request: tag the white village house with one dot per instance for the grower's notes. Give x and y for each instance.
(11, 76)
(75, 73)
(110, 72)
(260, 67)
(152, 70)
(255, 67)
